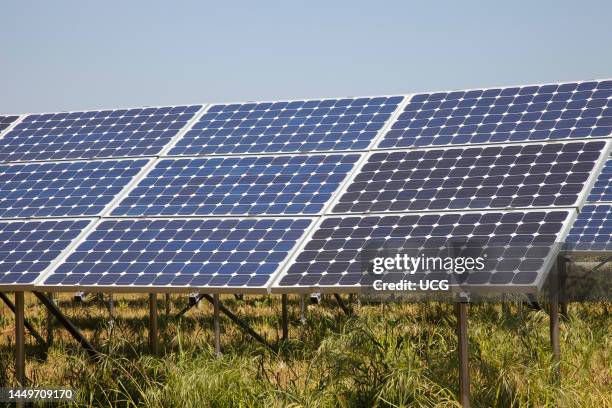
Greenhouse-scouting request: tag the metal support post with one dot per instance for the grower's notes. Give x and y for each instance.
(19, 339)
(285, 318)
(463, 350)
(153, 341)
(216, 324)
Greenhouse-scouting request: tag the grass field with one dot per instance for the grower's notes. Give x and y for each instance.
(392, 355)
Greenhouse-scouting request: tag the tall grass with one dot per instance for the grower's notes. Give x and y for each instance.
(402, 355)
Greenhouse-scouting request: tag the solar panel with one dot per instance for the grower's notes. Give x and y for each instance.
(514, 114)
(238, 185)
(602, 190)
(61, 189)
(28, 248)
(298, 126)
(592, 230)
(94, 134)
(523, 242)
(180, 253)
(6, 121)
(517, 176)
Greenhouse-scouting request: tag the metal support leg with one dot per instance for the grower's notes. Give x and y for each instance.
(111, 310)
(562, 270)
(50, 321)
(19, 339)
(63, 320)
(167, 305)
(285, 318)
(153, 343)
(303, 309)
(217, 325)
(464, 370)
(554, 316)
(26, 323)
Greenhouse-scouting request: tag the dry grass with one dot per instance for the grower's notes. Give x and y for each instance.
(399, 355)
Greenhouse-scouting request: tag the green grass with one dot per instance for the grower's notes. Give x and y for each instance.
(399, 355)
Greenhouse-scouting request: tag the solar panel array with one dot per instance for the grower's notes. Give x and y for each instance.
(223, 179)
(286, 195)
(54, 173)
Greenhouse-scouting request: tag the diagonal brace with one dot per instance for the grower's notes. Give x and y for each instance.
(239, 322)
(72, 329)
(347, 310)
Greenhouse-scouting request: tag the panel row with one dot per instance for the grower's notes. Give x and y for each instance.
(227, 254)
(513, 114)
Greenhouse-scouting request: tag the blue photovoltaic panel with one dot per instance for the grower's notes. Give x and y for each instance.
(522, 241)
(516, 114)
(238, 185)
(592, 230)
(6, 121)
(299, 126)
(28, 248)
(602, 190)
(518, 176)
(63, 188)
(95, 134)
(178, 252)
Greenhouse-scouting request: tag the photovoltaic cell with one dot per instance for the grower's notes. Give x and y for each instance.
(516, 114)
(94, 134)
(63, 188)
(28, 248)
(592, 230)
(6, 121)
(181, 253)
(299, 126)
(522, 241)
(518, 176)
(238, 185)
(602, 190)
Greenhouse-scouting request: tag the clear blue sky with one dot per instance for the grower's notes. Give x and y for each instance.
(70, 55)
